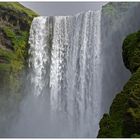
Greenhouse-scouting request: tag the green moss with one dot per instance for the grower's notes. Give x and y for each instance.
(124, 114)
(18, 7)
(106, 124)
(114, 118)
(17, 57)
(9, 32)
(131, 51)
(15, 35)
(125, 110)
(8, 55)
(15, 21)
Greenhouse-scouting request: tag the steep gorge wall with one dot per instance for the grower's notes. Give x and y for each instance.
(118, 20)
(123, 117)
(15, 23)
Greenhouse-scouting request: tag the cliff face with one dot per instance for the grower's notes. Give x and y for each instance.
(118, 20)
(15, 23)
(123, 119)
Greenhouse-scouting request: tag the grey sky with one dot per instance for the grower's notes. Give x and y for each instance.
(62, 8)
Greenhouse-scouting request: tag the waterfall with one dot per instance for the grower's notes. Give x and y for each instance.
(74, 65)
(65, 72)
(39, 50)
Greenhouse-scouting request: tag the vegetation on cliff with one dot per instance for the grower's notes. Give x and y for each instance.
(123, 119)
(15, 21)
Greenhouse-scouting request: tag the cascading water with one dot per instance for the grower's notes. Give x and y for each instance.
(65, 74)
(39, 54)
(76, 72)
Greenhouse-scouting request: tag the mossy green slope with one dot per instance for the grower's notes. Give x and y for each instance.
(15, 21)
(123, 119)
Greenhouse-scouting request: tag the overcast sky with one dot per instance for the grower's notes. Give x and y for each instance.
(62, 8)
